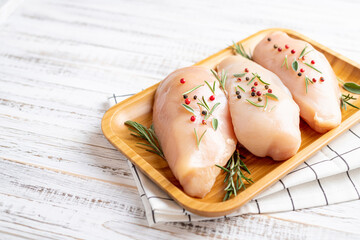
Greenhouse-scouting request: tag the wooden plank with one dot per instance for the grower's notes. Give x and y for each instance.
(45, 206)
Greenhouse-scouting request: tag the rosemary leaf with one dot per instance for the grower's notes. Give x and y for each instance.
(148, 134)
(307, 52)
(312, 67)
(285, 63)
(211, 111)
(240, 88)
(255, 104)
(295, 65)
(271, 95)
(212, 89)
(303, 52)
(266, 103)
(252, 79)
(307, 81)
(188, 108)
(221, 79)
(193, 89)
(198, 140)
(239, 48)
(239, 75)
(259, 78)
(345, 101)
(215, 123)
(203, 103)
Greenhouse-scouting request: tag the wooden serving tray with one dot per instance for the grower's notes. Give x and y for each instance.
(264, 171)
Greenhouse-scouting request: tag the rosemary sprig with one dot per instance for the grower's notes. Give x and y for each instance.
(255, 104)
(312, 67)
(235, 177)
(259, 78)
(202, 102)
(271, 95)
(295, 65)
(307, 81)
(222, 78)
(239, 75)
(188, 108)
(148, 134)
(211, 111)
(285, 63)
(198, 141)
(345, 101)
(193, 89)
(303, 53)
(240, 88)
(239, 48)
(212, 89)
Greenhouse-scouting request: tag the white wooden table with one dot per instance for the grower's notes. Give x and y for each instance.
(61, 59)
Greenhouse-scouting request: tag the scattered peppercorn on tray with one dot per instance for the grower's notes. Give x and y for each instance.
(264, 171)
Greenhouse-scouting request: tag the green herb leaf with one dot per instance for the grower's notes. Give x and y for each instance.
(255, 104)
(212, 89)
(202, 102)
(266, 103)
(307, 53)
(147, 134)
(252, 79)
(285, 63)
(198, 141)
(295, 65)
(240, 88)
(239, 48)
(271, 95)
(211, 111)
(345, 101)
(221, 79)
(307, 81)
(239, 75)
(352, 87)
(302, 52)
(259, 78)
(188, 108)
(193, 89)
(312, 67)
(234, 175)
(215, 123)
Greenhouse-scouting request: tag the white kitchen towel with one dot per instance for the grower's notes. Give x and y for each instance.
(331, 175)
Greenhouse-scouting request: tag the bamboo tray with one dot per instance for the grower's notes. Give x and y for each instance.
(264, 171)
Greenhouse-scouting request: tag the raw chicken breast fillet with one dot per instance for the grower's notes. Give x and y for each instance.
(320, 103)
(272, 127)
(193, 165)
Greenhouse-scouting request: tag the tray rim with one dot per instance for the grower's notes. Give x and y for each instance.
(223, 208)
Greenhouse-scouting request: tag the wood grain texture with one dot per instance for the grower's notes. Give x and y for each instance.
(60, 60)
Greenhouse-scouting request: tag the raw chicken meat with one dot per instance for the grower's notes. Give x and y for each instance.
(313, 85)
(193, 163)
(264, 125)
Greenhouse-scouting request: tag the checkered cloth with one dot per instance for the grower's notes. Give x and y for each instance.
(330, 176)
